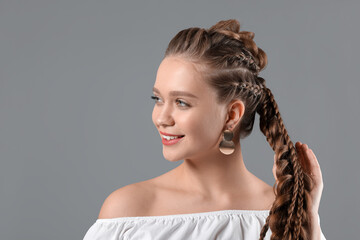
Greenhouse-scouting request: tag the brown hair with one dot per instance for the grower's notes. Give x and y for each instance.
(229, 60)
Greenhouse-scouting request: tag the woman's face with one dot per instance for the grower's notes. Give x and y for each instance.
(199, 118)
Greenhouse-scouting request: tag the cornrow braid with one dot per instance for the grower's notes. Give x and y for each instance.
(247, 58)
(244, 58)
(254, 89)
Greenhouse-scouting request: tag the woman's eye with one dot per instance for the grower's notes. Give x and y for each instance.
(155, 98)
(182, 103)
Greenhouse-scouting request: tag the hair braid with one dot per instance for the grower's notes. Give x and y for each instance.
(291, 188)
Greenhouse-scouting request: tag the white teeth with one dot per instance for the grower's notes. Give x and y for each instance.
(170, 137)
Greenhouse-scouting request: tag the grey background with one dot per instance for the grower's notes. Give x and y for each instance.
(75, 87)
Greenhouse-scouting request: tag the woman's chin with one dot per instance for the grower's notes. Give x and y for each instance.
(171, 157)
(173, 160)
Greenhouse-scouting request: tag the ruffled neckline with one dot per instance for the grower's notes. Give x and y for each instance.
(189, 215)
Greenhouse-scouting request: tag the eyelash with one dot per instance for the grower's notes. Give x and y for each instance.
(177, 100)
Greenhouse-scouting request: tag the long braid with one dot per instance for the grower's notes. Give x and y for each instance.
(291, 187)
(298, 186)
(292, 152)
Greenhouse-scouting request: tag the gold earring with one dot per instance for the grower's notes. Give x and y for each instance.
(226, 145)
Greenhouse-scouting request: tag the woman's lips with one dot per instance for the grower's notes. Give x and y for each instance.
(169, 134)
(171, 141)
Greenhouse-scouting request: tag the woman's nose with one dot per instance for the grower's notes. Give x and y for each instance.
(164, 117)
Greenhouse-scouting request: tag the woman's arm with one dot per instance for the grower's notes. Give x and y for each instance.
(315, 230)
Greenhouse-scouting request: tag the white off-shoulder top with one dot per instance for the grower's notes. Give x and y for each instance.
(219, 225)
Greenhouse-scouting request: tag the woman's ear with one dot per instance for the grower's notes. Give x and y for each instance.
(236, 111)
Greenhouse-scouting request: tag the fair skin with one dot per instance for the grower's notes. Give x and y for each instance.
(206, 180)
(219, 181)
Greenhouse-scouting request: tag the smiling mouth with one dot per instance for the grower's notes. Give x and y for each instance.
(172, 137)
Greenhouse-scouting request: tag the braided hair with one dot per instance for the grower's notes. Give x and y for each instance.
(230, 61)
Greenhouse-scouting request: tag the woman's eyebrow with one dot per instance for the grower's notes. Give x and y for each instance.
(177, 93)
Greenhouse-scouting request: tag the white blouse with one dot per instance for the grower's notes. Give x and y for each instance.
(219, 225)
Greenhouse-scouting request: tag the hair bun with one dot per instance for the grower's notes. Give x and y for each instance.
(231, 28)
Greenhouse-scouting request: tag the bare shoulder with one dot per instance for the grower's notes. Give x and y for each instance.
(265, 193)
(130, 200)
(269, 196)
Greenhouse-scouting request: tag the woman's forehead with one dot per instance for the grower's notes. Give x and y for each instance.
(177, 75)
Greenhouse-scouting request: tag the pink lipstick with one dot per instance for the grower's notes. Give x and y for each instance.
(165, 137)
(171, 141)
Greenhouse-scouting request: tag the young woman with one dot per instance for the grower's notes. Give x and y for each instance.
(207, 93)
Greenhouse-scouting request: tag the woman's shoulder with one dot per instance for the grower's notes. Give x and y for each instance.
(158, 196)
(131, 200)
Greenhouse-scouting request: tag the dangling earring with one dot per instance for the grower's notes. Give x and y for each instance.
(226, 145)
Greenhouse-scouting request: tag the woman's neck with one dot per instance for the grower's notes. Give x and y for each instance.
(214, 175)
